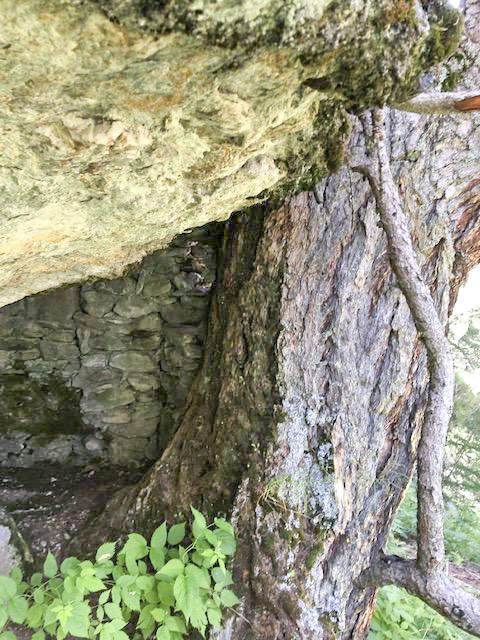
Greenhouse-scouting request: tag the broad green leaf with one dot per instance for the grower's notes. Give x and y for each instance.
(125, 581)
(162, 633)
(105, 552)
(70, 566)
(214, 616)
(187, 596)
(39, 595)
(38, 635)
(104, 596)
(16, 574)
(165, 594)
(174, 623)
(145, 583)
(116, 594)
(79, 622)
(224, 526)
(50, 566)
(115, 625)
(7, 635)
(199, 523)
(8, 588)
(158, 614)
(176, 534)
(200, 576)
(211, 537)
(221, 577)
(93, 584)
(132, 566)
(3, 617)
(131, 598)
(100, 613)
(227, 542)
(113, 610)
(228, 598)
(157, 557)
(172, 569)
(136, 546)
(159, 536)
(17, 609)
(36, 579)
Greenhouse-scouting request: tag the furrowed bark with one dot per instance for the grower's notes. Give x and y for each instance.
(426, 576)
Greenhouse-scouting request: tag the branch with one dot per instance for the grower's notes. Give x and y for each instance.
(426, 576)
(447, 102)
(440, 592)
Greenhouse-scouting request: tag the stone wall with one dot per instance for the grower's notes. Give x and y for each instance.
(101, 371)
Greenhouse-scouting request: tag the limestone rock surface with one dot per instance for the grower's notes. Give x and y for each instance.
(124, 123)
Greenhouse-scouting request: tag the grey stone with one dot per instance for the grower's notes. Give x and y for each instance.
(58, 350)
(7, 359)
(94, 444)
(143, 382)
(32, 329)
(114, 396)
(63, 335)
(157, 286)
(13, 548)
(132, 361)
(146, 342)
(179, 314)
(98, 302)
(62, 304)
(119, 416)
(134, 306)
(151, 322)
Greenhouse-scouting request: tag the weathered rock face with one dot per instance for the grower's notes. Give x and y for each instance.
(101, 371)
(116, 135)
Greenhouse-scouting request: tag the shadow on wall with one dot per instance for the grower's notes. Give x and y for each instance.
(100, 372)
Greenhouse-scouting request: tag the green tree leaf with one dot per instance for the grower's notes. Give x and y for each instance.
(105, 552)
(3, 617)
(17, 609)
(50, 566)
(79, 622)
(214, 616)
(172, 569)
(104, 596)
(157, 557)
(16, 574)
(8, 588)
(158, 614)
(7, 635)
(200, 576)
(159, 536)
(93, 584)
(38, 635)
(176, 534)
(162, 633)
(175, 623)
(70, 566)
(113, 610)
(165, 594)
(187, 599)
(228, 598)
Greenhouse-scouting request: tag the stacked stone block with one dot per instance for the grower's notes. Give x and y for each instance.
(102, 371)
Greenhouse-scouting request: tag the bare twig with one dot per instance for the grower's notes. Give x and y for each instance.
(444, 102)
(426, 576)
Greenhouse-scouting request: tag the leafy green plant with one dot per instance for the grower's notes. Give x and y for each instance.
(156, 590)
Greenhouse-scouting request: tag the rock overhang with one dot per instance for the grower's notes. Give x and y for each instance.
(124, 123)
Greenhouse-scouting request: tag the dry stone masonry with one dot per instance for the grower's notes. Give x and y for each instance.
(101, 371)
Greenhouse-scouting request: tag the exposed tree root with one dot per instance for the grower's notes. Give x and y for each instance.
(425, 577)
